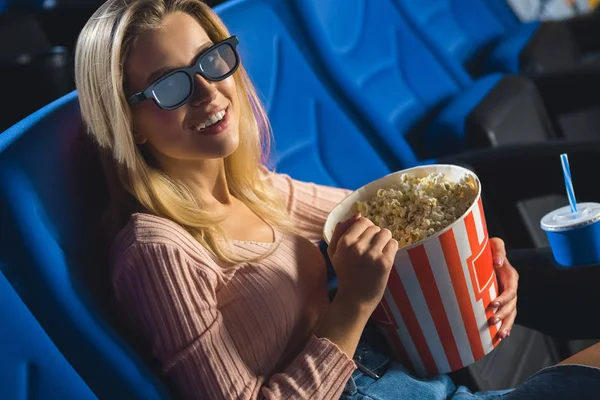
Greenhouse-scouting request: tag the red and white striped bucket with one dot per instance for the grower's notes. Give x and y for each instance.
(435, 308)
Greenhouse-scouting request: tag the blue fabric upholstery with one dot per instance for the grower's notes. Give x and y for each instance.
(392, 76)
(504, 56)
(483, 37)
(314, 139)
(31, 367)
(503, 12)
(43, 226)
(379, 63)
(462, 27)
(447, 131)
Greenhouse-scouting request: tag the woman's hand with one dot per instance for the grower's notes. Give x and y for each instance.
(362, 255)
(505, 305)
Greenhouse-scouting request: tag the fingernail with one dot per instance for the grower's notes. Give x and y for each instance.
(494, 320)
(505, 334)
(496, 304)
(498, 261)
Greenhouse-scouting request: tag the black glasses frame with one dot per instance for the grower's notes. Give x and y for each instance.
(191, 72)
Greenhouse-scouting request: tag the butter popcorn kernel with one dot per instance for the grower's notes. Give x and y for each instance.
(416, 208)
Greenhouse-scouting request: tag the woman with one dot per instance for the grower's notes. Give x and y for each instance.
(214, 263)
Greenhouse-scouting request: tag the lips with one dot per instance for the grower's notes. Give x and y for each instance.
(214, 128)
(211, 120)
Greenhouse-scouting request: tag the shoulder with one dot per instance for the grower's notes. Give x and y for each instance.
(146, 238)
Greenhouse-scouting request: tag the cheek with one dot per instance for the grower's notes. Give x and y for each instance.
(164, 117)
(149, 117)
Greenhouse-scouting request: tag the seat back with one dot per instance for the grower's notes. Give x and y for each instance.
(315, 140)
(504, 13)
(32, 367)
(477, 35)
(463, 28)
(50, 194)
(380, 63)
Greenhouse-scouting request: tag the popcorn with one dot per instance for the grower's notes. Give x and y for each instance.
(417, 208)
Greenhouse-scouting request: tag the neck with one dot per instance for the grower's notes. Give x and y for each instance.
(207, 180)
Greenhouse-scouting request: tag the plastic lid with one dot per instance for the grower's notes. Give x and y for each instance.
(563, 219)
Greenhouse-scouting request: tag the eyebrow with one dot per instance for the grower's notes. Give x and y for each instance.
(166, 69)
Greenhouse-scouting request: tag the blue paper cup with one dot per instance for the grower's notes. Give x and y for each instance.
(574, 238)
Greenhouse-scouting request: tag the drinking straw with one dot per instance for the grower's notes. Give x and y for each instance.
(568, 182)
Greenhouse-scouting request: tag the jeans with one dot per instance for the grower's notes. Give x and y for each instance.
(551, 300)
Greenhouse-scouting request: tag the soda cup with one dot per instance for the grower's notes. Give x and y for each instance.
(435, 310)
(574, 237)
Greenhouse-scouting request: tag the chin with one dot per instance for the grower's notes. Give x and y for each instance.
(220, 153)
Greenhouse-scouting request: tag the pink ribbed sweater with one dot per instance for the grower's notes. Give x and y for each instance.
(234, 333)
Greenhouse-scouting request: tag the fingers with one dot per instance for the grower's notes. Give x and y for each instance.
(390, 249)
(339, 231)
(507, 324)
(357, 228)
(381, 240)
(498, 252)
(504, 311)
(505, 305)
(508, 281)
(365, 238)
(507, 315)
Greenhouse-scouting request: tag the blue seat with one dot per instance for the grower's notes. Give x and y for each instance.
(384, 104)
(48, 195)
(31, 367)
(472, 33)
(484, 36)
(390, 75)
(402, 81)
(286, 71)
(504, 13)
(47, 219)
(314, 139)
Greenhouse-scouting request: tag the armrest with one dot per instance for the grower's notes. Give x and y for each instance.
(511, 113)
(584, 31)
(554, 300)
(569, 90)
(512, 173)
(495, 111)
(550, 48)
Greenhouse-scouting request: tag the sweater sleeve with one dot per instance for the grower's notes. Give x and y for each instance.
(171, 300)
(308, 204)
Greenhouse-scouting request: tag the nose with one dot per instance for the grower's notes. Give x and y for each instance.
(204, 91)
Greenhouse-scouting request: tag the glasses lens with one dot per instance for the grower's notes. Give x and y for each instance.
(218, 62)
(173, 89)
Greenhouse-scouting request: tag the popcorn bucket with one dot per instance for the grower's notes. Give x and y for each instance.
(434, 313)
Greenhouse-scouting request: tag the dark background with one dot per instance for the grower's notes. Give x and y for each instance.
(37, 40)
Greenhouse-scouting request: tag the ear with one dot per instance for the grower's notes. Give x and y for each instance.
(139, 139)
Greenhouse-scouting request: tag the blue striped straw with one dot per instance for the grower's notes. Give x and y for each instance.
(568, 183)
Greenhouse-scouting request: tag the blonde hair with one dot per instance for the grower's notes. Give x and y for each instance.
(101, 52)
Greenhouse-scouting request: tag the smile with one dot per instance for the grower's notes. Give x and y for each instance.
(213, 119)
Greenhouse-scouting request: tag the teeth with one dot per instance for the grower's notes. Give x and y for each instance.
(213, 119)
